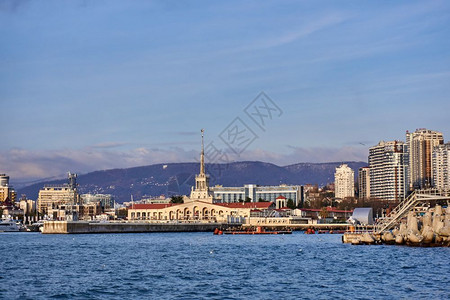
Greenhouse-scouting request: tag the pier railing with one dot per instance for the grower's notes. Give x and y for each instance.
(416, 199)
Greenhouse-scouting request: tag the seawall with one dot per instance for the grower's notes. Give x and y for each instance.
(79, 227)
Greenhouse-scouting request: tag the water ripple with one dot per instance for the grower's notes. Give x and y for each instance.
(203, 266)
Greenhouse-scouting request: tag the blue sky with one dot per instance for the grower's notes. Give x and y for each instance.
(87, 85)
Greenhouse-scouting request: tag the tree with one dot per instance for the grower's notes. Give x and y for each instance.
(323, 213)
(122, 213)
(262, 200)
(176, 199)
(248, 199)
(290, 204)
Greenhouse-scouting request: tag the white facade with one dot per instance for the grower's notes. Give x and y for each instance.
(257, 193)
(388, 166)
(107, 200)
(441, 165)
(344, 182)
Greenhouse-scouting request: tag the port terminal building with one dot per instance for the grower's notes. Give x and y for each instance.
(220, 204)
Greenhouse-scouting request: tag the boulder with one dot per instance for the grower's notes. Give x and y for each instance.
(399, 239)
(388, 237)
(367, 238)
(428, 234)
(414, 236)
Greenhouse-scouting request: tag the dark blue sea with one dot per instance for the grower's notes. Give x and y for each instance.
(204, 266)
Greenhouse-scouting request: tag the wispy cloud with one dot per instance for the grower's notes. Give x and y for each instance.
(11, 6)
(31, 165)
(185, 133)
(109, 145)
(25, 164)
(291, 36)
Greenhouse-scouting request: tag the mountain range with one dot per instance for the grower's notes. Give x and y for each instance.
(177, 178)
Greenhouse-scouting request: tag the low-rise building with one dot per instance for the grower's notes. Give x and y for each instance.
(75, 212)
(106, 200)
(330, 213)
(28, 206)
(53, 195)
(256, 193)
(198, 211)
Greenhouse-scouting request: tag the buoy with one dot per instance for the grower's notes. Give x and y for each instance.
(220, 232)
(216, 231)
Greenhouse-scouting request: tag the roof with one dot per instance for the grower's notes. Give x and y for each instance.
(258, 205)
(281, 197)
(151, 206)
(364, 215)
(330, 209)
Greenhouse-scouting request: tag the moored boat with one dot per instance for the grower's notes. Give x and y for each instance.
(9, 226)
(259, 230)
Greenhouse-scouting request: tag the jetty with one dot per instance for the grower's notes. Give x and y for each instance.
(419, 220)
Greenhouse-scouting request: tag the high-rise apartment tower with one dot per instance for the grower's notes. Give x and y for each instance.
(344, 182)
(387, 163)
(420, 146)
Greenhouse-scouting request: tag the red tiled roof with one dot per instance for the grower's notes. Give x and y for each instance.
(151, 206)
(259, 205)
(281, 197)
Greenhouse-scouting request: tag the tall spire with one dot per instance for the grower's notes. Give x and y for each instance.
(202, 157)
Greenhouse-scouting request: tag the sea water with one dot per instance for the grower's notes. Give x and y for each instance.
(204, 266)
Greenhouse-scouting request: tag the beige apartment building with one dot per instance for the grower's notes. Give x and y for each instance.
(364, 182)
(420, 145)
(53, 195)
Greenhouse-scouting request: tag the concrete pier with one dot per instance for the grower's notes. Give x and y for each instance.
(79, 227)
(66, 227)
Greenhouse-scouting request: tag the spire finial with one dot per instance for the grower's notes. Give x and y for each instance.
(202, 156)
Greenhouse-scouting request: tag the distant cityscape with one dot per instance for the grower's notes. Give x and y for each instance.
(395, 169)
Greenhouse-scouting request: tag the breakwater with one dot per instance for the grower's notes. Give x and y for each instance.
(420, 228)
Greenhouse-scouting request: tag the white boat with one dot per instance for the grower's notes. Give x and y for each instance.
(9, 226)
